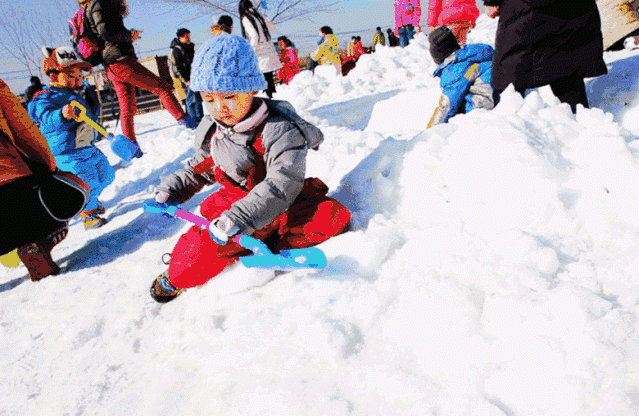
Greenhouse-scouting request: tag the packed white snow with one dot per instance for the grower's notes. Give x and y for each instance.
(492, 269)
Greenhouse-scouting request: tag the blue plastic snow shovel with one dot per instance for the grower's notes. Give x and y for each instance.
(120, 144)
(263, 257)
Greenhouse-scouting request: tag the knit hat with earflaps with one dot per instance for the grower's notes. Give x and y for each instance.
(63, 57)
(226, 64)
(442, 44)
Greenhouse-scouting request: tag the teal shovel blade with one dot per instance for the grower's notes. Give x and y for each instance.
(297, 258)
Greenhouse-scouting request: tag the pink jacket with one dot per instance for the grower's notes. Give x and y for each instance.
(405, 16)
(444, 12)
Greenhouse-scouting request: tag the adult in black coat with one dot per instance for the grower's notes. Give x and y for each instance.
(180, 61)
(547, 42)
(183, 53)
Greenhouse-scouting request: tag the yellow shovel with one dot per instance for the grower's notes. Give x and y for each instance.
(120, 144)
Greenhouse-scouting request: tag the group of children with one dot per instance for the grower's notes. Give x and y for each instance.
(256, 148)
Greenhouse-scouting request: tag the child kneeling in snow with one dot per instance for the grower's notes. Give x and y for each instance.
(71, 141)
(256, 149)
(464, 75)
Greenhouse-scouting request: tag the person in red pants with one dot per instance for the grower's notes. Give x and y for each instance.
(256, 150)
(104, 22)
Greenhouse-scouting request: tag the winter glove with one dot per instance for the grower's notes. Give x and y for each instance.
(164, 200)
(222, 228)
(164, 197)
(410, 7)
(320, 40)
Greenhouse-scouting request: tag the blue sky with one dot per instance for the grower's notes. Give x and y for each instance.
(160, 20)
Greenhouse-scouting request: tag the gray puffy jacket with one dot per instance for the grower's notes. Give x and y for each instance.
(286, 138)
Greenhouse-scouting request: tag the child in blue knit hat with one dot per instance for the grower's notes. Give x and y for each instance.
(255, 148)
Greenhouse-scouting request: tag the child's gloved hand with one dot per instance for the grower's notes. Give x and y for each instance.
(410, 7)
(222, 228)
(164, 200)
(68, 112)
(164, 197)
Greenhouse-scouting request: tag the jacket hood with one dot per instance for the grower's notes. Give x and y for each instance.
(476, 52)
(175, 42)
(313, 135)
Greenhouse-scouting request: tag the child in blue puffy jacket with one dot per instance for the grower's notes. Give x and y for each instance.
(71, 141)
(464, 74)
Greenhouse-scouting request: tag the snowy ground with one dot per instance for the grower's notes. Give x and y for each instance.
(493, 269)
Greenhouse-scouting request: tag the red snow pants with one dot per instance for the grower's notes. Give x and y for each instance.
(313, 218)
(127, 74)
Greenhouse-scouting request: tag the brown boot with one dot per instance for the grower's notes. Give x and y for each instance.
(54, 238)
(38, 261)
(37, 256)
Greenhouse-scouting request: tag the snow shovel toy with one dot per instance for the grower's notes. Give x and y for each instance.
(120, 144)
(263, 257)
(10, 259)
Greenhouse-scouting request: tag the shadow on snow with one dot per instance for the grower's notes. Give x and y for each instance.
(371, 187)
(353, 114)
(146, 227)
(617, 90)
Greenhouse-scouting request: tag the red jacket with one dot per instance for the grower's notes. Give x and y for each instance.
(290, 65)
(444, 12)
(358, 50)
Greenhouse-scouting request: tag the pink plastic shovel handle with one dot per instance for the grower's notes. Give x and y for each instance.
(192, 218)
(201, 222)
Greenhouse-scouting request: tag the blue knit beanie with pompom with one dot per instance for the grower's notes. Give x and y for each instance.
(226, 64)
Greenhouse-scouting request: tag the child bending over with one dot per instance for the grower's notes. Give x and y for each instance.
(256, 149)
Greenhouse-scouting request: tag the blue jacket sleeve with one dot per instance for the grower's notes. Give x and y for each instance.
(49, 115)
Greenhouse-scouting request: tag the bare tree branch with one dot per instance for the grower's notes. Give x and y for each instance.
(280, 10)
(24, 31)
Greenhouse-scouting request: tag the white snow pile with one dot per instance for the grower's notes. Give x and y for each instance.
(492, 269)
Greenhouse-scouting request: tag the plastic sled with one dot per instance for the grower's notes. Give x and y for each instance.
(263, 257)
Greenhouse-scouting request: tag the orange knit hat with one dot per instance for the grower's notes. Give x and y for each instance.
(59, 58)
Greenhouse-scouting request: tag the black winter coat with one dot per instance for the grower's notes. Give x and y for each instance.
(540, 41)
(183, 56)
(104, 21)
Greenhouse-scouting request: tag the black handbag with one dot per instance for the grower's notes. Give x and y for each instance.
(62, 194)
